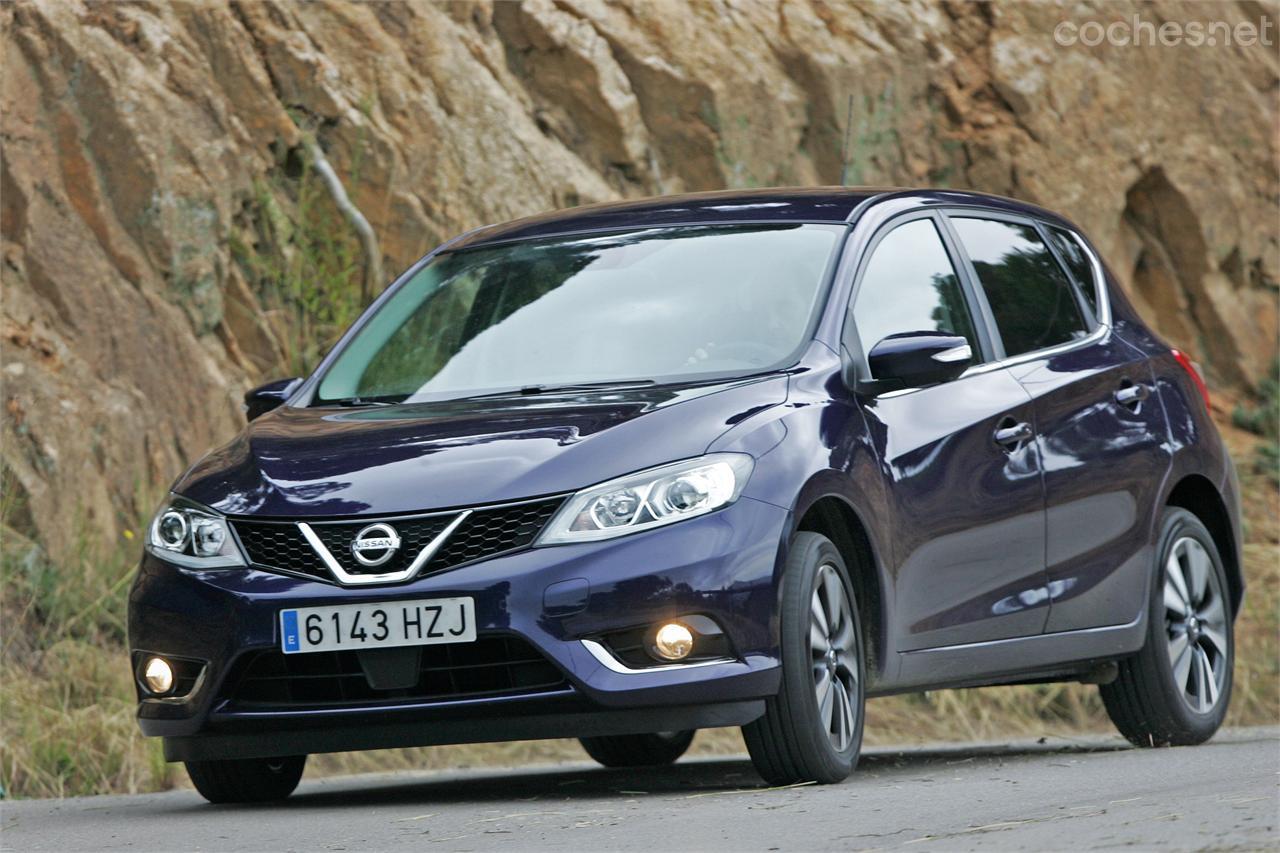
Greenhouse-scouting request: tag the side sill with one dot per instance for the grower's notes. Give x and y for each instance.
(1017, 658)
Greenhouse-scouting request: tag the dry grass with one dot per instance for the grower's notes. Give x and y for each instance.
(66, 695)
(66, 700)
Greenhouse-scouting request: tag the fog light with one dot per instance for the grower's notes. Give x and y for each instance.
(158, 676)
(673, 641)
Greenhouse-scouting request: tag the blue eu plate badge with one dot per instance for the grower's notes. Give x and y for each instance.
(289, 628)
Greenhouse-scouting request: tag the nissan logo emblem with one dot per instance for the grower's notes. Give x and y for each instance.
(375, 544)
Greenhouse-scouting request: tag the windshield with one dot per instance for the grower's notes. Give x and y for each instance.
(659, 304)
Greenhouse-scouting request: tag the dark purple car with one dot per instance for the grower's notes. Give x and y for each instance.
(733, 459)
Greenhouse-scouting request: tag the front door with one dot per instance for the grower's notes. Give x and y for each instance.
(961, 467)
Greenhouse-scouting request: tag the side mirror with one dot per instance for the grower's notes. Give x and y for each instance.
(916, 359)
(264, 398)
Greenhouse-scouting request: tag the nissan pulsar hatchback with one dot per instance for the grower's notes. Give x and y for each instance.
(746, 459)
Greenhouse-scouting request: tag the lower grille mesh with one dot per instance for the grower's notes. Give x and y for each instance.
(490, 666)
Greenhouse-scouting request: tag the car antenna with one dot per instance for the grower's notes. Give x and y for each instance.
(844, 149)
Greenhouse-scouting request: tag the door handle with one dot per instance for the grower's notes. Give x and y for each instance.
(1131, 396)
(1013, 434)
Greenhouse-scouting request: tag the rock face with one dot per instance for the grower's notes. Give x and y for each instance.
(148, 147)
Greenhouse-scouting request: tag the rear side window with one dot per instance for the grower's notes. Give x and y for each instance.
(910, 286)
(1030, 296)
(1074, 256)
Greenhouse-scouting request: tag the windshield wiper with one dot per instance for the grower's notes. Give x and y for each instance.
(532, 390)
(357, 401)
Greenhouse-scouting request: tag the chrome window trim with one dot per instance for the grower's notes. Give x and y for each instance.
(346, 579)
(605, 658)
(1103, 314)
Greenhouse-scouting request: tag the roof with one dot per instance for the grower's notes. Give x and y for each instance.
(783, 204)
(808, 204)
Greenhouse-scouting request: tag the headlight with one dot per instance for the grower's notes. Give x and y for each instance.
(186, 533)
(650, 499)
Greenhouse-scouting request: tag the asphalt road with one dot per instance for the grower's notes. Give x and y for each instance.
(1095, 793)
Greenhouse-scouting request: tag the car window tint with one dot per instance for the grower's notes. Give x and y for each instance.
(910, 286)
(1074, 256)
(1030, 297)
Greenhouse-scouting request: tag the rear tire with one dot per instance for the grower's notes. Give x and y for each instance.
(247, 780)
(812, 730)
(650, 750)
(1175, 691)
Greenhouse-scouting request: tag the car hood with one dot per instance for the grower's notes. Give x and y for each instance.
(411, 457)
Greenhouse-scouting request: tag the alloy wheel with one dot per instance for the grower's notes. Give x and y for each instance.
(1195, 624)
(833, 650)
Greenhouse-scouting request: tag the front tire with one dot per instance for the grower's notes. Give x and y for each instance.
(1175, 691)
(246, 780)
(812, 730)
(649, 750)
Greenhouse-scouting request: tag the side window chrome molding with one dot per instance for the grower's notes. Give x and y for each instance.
(1099, 279)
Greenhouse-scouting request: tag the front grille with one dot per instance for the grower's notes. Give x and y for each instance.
(486, 532)
(279, 546)
(490, 531)
(491, 666)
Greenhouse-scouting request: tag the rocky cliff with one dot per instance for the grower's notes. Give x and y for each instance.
(154, 156)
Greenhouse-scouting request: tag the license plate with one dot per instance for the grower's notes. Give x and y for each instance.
(378, 625)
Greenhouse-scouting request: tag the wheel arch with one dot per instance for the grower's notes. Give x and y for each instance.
(1196, 494)
(835, 517)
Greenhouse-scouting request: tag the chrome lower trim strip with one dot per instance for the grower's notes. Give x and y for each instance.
(1099, 631)
(603, 655)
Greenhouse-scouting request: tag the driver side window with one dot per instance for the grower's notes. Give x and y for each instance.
(910, 286)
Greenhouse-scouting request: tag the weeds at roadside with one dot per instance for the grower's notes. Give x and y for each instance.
(302, 259)
(66, 690)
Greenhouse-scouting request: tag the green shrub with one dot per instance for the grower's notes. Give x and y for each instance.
(1263, 418)
(302, 259)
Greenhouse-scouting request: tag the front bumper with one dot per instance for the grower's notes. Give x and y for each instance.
(723, 565)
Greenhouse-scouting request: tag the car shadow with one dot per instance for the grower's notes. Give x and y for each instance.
(689, 777)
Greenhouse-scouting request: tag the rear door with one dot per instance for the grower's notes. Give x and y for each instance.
(967, 511)
(1098, 427)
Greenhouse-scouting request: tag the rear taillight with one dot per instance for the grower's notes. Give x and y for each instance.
(1189, 366)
